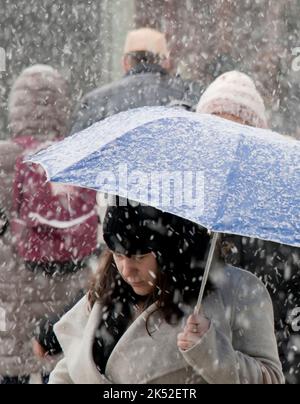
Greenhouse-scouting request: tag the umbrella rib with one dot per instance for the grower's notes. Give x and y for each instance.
(230, 177)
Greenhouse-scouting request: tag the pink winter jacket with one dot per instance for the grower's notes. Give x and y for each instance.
(52, 223)
(25, 297)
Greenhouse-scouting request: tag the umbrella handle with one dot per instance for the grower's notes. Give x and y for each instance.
(206, 272)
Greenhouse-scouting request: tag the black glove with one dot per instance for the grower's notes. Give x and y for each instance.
(46, 337)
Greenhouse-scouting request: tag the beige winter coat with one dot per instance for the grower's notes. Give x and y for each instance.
(240, 346)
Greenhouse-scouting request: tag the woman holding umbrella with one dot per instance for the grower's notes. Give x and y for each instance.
(137, 325)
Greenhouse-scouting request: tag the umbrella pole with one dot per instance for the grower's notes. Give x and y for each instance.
(206, 272)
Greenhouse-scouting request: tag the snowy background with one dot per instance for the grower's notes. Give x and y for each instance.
(84, 40)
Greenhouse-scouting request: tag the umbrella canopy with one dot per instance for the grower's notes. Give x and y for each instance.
(227, 177)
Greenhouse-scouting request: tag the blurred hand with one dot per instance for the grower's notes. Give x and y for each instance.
(38, 350)
(196, 326)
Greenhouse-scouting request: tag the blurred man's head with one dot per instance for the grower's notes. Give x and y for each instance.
(146, 46)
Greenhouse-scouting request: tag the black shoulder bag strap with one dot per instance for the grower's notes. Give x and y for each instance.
(3, 221)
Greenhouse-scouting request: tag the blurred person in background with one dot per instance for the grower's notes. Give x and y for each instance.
(38, 275)
(147, 82)
(234, 96)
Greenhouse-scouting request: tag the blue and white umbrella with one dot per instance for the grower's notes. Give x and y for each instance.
(227, 177)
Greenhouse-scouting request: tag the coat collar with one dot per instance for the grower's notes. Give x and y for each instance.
(137, 358)
(78, 347)
(147, 68)
(129, 358)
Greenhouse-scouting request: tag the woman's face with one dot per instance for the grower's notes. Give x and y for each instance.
(139, 271)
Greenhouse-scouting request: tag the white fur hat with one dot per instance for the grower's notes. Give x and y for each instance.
(39, 103)
(234, 93)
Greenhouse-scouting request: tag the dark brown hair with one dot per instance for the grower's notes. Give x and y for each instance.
(109, 289)
(179, 246)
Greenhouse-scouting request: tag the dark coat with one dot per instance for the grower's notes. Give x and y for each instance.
(143, 86)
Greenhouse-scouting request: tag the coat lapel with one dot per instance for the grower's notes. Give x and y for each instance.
(82, 367)
(140, 358)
